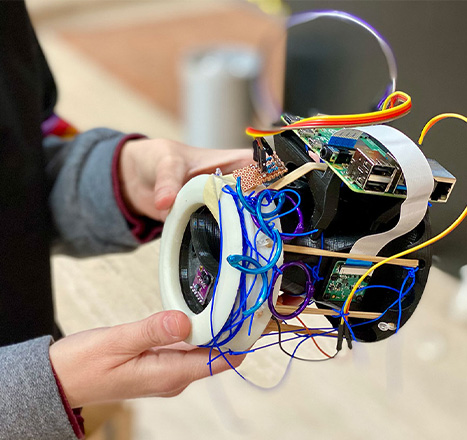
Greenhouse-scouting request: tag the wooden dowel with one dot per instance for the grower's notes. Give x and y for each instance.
(322, 252)
(296, 174)
(286, 310)
(272, 327)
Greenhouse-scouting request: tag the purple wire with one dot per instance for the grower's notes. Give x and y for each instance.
(387, 92)
(307, 16)
(309, 290)
(298, 229)
(300, 226)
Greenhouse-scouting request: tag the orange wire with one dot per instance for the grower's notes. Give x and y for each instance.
(312, 337)
(333, 121)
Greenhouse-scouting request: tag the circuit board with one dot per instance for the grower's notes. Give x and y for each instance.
(201, 285)
(364, 164)
(321, 138)
(340, 285)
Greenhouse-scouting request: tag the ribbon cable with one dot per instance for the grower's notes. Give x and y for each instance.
(419, 182)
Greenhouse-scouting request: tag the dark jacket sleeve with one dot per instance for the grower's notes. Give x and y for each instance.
(28, 388)
(86, 217)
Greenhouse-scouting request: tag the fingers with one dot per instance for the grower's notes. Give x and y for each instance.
(164, 328)
(202, 364)
(197, 365)
(153, 172)
(133, 360)
(170, 177)
(227, 160)
(176, 369)
(176, 169)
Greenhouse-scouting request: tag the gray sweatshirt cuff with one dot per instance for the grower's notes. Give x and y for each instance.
(86, 216)
(30, 405)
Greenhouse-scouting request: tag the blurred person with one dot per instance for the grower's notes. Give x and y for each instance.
(100, 191)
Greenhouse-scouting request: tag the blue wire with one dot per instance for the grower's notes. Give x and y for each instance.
(212, 307)
(260, 215)
(266, 193)
(299, 199)
(244, 202)
(264, 288)
(411, 274)
(253, 205)
(236, 260)
(300, 234)
(391, 306)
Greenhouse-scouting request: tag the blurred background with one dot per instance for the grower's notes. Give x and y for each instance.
(166, 68)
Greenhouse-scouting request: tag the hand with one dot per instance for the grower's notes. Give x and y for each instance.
(132, 360)
(153, 171)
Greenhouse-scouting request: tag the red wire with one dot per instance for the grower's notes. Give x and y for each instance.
(390, 114)
(312, 337)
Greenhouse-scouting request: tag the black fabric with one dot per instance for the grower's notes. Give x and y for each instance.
(27, 97)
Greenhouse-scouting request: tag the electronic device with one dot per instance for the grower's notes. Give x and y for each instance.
(331, 219)
(314, 218)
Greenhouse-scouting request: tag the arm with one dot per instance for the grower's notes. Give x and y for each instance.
(143, 358)
(110, 191)
(140, 359)
(86, 216)
(30, 404)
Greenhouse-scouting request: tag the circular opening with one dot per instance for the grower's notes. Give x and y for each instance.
(199, 259)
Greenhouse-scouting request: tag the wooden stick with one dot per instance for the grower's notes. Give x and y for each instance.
(322, 252)
(272, 327)
(286, 310)
(299, 172)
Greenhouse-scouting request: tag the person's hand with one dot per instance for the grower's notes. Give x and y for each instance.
(132, 360)
(153, 171)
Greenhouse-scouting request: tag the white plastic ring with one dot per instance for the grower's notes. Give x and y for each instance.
(211, 320)
(189, 199)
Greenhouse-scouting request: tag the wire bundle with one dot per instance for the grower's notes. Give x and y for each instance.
(255, 265)
(396, 105)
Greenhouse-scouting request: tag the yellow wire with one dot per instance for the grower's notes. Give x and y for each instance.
(388, 99)
(363, 115)
(400, 254)
(436, 119)
(353, 117)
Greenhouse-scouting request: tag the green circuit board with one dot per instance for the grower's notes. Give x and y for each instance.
(364, 164)
(340, 285)
(317, 138)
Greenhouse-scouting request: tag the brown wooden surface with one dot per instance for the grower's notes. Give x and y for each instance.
(111, 421)
(147, 56)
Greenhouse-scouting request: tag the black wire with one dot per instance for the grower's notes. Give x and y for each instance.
(292, 355)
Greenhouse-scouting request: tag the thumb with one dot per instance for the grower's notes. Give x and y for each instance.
(170, 177)
(164, 328)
